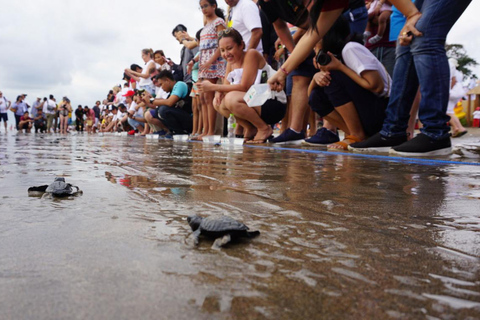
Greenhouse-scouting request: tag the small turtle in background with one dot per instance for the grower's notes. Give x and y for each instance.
(221, 228)
(59, 189)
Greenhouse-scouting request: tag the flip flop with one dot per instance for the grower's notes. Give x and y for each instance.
(459, 134)
(343, 144)
(262, 141)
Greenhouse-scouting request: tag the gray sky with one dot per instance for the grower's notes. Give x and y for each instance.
(80, 48)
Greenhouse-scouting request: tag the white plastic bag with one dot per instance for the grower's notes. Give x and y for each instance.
(257, 95)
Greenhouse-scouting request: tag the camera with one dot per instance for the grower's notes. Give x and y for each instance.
(323, 58)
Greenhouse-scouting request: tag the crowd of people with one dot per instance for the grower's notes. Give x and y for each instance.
(369, 68)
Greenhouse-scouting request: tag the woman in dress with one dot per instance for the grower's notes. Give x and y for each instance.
(211, 64)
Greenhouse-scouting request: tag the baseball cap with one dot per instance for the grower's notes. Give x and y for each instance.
(130, 93)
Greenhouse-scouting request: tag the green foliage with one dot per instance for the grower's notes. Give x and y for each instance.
(458, 52)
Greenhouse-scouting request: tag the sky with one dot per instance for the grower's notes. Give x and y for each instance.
(80, 49)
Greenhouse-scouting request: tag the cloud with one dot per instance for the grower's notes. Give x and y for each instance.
(80, 48)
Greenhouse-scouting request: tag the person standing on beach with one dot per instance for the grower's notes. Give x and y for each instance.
(189, 50)
(4, 106)
(64, 109)
(244, 16)
(36, 105)
(211, 64)
(79, 118)
(49, 107)
(96, 109)
(19, 108)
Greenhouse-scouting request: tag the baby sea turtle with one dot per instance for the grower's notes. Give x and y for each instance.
(221, 228)
(59, 188)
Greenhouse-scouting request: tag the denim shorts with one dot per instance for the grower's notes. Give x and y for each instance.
(306, 68)
(134, 123)
(4, 117)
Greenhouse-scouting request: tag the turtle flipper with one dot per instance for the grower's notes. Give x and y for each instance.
(195, 237)
(220, 242)
(36, 190)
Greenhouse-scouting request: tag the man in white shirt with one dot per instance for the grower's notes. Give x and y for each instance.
(4, 106)
(245, 18)
(49, 107)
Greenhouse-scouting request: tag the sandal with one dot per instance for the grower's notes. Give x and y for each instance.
(344, 145)
(262, 141)
(458, 134)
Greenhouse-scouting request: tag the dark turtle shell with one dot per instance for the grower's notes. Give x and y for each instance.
(60, 188)
(221, 224)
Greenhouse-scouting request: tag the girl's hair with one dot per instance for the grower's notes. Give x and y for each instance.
(338, 36)
(197, 35)
(148, 52)
(218, 12)
(160, 52)
(231, 33)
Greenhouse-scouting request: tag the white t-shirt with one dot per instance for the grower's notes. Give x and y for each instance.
(3, 105)
(148, 81)
(160, 93)
(245, 17)
(358, 58)
(49, 103)
(137, 113)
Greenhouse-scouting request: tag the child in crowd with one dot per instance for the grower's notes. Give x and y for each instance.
(193, 68)
(212, 66)
(476, 118)
(379, 12)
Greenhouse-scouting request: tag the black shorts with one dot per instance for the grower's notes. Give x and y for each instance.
(4, 117)
(273, 111)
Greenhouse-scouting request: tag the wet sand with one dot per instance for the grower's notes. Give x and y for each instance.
(342, 237)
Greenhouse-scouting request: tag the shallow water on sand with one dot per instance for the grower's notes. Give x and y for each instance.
(342, 237)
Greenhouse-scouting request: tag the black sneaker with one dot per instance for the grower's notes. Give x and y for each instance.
(422, 146)
(288, 136)
(377, 143)
(322, 137)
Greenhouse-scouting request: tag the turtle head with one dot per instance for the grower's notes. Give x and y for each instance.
(194, 222)
(60, 179)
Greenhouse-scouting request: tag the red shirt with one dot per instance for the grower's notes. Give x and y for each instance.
(22, 118)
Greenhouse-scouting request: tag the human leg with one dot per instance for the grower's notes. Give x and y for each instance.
(432, 65)
(195, 115)
(176, 120)
(433, 73)
(235, 103)
(151, 116)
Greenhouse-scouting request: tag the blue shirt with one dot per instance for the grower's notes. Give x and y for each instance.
(397, 21)
(180, 89)
(21, 108)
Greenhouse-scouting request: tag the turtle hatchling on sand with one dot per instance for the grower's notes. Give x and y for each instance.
(59, 188)
(221, 228)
